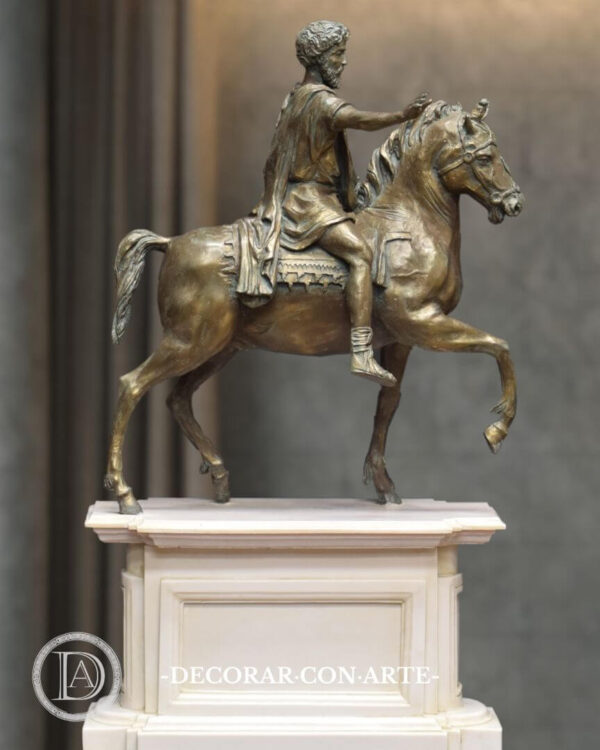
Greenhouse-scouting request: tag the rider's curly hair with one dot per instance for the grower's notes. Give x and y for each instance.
(317, 38)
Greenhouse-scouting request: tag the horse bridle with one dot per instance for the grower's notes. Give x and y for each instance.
(468, 156)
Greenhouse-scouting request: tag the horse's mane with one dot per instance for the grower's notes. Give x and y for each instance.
(385, 159)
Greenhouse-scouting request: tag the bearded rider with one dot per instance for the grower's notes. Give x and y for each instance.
(310, 186)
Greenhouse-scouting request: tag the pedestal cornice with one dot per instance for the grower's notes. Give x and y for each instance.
(247, 523)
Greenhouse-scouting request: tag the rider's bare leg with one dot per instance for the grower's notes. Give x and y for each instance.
(344, 241)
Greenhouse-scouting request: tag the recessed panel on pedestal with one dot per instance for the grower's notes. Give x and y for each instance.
(320, 639)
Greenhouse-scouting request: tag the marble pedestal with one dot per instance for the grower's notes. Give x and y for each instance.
(292, 624)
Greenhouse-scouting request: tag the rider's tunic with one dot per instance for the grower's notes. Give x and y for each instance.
(316, 190)
(309, 186)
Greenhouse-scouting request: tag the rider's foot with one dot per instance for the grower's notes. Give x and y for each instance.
(363, 362)
(365, 365)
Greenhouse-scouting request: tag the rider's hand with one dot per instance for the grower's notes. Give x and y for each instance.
(415, 108)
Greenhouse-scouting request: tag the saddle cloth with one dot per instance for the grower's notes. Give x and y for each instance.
(310, 267)
(314, 267)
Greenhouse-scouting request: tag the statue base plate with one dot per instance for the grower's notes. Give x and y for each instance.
(292, 623)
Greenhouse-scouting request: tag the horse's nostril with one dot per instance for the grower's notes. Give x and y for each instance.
(513, 206)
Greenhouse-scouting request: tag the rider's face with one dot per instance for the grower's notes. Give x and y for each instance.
(332, 65)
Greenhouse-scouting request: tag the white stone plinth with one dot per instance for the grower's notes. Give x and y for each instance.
(292, 624)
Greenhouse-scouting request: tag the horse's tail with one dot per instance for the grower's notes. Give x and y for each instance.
(129, 265)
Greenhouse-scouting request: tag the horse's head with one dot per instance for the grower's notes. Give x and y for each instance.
(470, 163)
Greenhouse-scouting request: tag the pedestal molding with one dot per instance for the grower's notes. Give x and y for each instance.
(250, 523)
(472, 714)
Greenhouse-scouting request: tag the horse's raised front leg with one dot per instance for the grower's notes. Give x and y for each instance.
(445, 334)
(180, 403)
(393, 358)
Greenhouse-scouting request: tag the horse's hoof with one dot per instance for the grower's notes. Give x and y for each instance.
(204, 467)
(391, 496)
(222, 495)
(128, 505)
(494, 435)
(221, 484)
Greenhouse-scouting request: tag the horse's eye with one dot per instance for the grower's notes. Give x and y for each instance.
(484, 158)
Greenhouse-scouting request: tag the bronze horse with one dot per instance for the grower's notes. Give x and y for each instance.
(409, 209)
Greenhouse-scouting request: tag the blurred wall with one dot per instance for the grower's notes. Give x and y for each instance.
(24, 368)
(295, 427)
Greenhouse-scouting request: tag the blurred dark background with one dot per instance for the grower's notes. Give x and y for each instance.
(159, 113)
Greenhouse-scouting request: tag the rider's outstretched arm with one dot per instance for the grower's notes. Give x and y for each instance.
(350, 117)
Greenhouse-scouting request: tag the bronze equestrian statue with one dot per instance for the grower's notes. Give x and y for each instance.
(263, 282)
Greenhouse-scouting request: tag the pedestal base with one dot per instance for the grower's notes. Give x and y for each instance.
(351, 609)
(470, 727)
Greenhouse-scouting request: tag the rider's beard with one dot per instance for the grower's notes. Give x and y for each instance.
(330, 74)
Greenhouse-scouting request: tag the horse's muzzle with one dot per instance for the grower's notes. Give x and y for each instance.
(509, 204)
(513, 203)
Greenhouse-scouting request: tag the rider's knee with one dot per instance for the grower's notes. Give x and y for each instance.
(362, 254)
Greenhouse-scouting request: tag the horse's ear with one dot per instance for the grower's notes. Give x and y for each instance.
(469, 125)
(481, 110)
